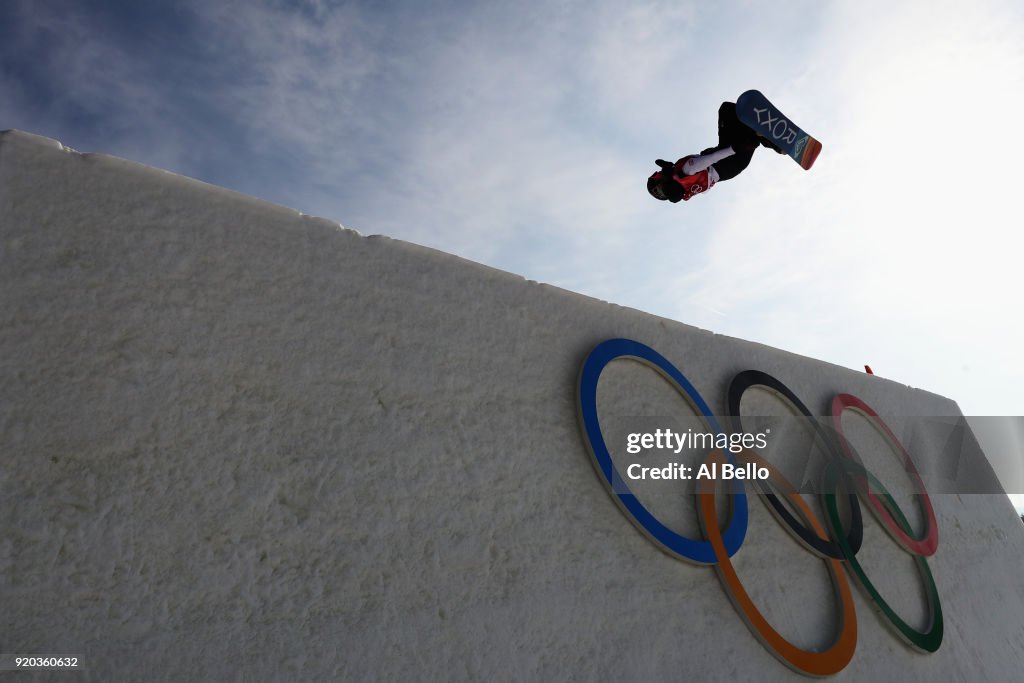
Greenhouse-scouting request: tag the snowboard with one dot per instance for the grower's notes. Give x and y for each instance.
(755, 111)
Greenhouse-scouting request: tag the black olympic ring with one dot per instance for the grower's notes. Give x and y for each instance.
(800, 531)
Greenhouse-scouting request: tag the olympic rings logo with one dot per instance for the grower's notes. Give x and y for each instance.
(837, 546)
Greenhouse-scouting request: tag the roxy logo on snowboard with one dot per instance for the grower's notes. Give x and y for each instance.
(780, 128)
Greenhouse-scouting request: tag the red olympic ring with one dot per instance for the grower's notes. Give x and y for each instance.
(927, 542)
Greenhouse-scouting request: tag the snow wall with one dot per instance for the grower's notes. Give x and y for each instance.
(241, 443)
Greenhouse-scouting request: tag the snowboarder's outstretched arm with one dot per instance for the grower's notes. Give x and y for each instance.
(698, 173)
(682, 180)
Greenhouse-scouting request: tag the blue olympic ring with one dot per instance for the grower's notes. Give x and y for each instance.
(699, 551)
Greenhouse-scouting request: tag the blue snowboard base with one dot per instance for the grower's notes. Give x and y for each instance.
(755, 111)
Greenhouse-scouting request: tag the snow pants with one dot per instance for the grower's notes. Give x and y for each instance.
(732, 133)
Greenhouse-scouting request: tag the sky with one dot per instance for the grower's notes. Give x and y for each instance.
(520, 135)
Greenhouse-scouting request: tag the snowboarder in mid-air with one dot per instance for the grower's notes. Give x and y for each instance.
(742, 126)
